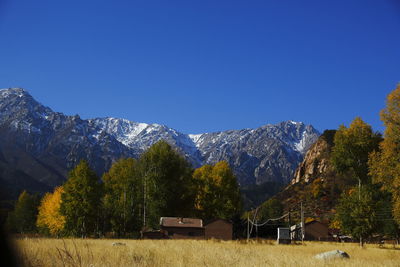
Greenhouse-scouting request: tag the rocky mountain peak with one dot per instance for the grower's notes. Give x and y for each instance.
(19, 92)
(17, 103)
(55, 142)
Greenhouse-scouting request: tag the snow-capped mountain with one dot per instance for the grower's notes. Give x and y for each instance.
(140, 136)
(268, 153)
(40, 144)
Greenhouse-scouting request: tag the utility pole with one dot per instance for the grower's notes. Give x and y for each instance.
(254, 219)
(256, 229)
(248, 227)
(124, 209)
(302, 222)
(144, 201)
(152, 170)
(359, 200)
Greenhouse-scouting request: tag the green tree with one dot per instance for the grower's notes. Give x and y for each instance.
(122, 197)
(218, 194)
(388, 227)
(23, 218)
(350, 154)
(270, 209)
(81, 201)
(385, 164)
(167, 184)
(352, 147)
(365, 214)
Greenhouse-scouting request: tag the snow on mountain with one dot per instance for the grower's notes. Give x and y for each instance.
(195, 138)
(140, 136)
(123, 130)
(268, 153)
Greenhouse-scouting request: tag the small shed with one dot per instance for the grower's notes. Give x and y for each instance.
(219, 229)
(313, 230)
(284, 236)
(182, 228)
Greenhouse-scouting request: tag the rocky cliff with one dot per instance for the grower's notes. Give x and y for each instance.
(316, 162)
(315, 183)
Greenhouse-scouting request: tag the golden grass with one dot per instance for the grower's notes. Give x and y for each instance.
(100, 252)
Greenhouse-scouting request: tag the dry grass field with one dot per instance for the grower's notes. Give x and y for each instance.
(101, 252)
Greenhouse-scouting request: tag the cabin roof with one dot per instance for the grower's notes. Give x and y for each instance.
(214, 220)
(181, 222)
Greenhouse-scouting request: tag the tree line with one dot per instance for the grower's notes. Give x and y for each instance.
(130, 197)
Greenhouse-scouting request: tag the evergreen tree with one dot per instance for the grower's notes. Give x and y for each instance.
(122, 199)
(385, 164)
(23, 218)
(167, 184)
(81, 201)
(218, 194)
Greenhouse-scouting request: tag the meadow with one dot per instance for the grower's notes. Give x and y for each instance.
(102, 253)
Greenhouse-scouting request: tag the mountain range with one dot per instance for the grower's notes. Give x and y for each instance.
(39, 146)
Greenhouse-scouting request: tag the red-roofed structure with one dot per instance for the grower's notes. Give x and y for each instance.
(182, 228)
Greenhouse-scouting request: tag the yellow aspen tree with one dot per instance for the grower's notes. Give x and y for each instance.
(218, 194)
(384, 166)
(49, 216)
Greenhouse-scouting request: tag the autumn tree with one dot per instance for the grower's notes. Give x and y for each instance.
(352, 147)
(167, 184)
(80, 201)
(49, 218)
(23, 218)
(218, 194)
(122, 199)
(385, 164)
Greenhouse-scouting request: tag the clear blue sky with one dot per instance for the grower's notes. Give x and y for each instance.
(203, 66)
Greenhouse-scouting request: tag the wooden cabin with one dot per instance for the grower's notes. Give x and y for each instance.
(219, 229)
(316, 230)
(182, 228)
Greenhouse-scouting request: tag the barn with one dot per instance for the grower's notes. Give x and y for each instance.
(182, 228)
(314, 230)
(218, 229)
